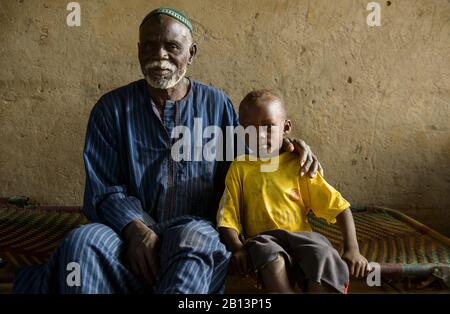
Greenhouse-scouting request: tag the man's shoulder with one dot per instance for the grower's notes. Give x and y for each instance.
(116, 97)
(124, 91)
(209, 90)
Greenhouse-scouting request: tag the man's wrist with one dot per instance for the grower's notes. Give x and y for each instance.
(133, 228)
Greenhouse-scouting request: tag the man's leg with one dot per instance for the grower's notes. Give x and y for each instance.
(97, 250)
(193, 260)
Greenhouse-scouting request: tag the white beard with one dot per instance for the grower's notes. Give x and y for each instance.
(165, 83)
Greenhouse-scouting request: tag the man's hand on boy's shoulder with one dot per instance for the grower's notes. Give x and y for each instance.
(309, 164)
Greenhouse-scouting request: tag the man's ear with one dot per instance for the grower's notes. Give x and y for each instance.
(139, 49)
(192, 52)
(287, 127)
(139, 53)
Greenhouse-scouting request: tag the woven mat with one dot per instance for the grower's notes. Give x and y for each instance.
(403, 246)
(385, 238)
(29, 236)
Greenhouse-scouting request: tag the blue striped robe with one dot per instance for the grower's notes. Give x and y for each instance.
(130, 174)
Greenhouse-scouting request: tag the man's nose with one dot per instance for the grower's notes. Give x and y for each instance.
(161, 53)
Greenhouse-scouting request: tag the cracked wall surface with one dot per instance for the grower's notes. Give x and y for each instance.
(372, 102)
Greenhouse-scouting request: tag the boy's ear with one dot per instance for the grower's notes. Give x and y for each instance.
(287, 127)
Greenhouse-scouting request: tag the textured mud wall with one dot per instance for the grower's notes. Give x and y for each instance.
(373, 102)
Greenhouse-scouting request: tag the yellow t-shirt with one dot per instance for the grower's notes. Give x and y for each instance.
(260, 201)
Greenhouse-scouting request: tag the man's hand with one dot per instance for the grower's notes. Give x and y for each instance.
(357, 264)
(240, 262)
(142, 251)
(308, 161)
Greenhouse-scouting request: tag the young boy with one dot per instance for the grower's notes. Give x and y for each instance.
(268, 211)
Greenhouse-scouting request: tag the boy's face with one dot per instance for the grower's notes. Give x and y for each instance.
(268, 117)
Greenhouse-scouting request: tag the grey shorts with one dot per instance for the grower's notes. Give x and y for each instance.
(308, 256)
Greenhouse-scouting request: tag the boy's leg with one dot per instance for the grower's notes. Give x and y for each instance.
(322, 267)
(275, 277)
(270, 258)
(314, 287)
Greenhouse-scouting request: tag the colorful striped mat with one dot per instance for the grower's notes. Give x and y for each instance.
(28, 236)
(388, 236)
(403, 246)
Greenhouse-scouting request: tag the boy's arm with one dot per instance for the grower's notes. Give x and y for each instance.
(328, 203)
(231, 239)
(239, 260)
(347, 226)
(358, 264)
(228, 222)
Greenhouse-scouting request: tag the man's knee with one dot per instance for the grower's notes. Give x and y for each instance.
(84, 239)
(196, 236)
(192, 243)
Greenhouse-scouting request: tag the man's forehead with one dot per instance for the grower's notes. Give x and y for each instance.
(163, 26)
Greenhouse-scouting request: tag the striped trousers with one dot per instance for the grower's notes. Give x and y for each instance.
(192, 260)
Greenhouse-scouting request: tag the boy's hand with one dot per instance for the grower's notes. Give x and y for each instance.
(240, 262)
(357, 264)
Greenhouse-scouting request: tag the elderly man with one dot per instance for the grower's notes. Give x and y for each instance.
(152, 229)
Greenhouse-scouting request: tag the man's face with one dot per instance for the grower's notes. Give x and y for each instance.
(165, 51)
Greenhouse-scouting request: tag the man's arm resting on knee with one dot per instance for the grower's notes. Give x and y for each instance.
(106, 199)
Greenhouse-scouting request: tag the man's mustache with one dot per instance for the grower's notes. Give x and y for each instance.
(164, 65)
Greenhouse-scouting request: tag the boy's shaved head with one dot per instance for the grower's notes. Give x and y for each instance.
(261, 98)
(264, 110)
